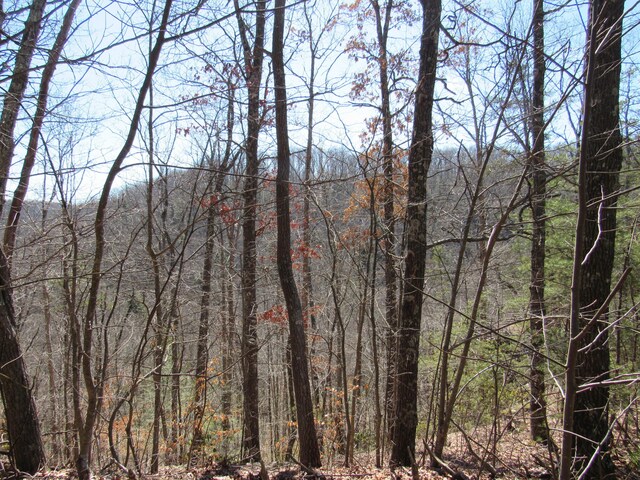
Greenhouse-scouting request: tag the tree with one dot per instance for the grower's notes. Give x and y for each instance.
(213, 191)
(309, 451)
(95, 388)
(420, 155)
(16, 91)
(36, 128)
(253, 58)
(586, 431)
(383, 19)
(483, 113)
(538, 422)
(387, 68)
(19, 406)
(603, 163)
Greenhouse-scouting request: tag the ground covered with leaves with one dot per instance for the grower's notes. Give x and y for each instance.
(514, 457)
(460, 470)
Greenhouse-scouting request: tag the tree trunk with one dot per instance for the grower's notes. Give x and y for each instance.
(383, 19)
(406, 414)
(177, 354)
(93, 394)
(19, 407)
(603, 148)
(309, 451)
(228, 335)
(356, 379)
(36, 127)
(538, 423)
(307, 283)
(253, 74)
(69, 286)
(51, 374)
(202, 354)
(15, 93)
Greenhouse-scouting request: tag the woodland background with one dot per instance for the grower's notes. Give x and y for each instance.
(143, 319)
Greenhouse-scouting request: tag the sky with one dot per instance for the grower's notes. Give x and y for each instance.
(93, 98)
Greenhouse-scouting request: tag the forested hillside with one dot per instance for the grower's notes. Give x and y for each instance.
(346, 238)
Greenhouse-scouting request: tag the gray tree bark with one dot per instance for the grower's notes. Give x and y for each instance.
(603, 163)
(420, 155)
(253, 74)
(309, 450)
(538, 422)
(19, 407)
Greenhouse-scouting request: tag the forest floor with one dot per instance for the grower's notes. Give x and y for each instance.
(460, 470)
(468, 457)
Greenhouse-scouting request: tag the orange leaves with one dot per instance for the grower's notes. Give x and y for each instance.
(302, 251)
(276, 315)
(353, 6)
(373, 185)
(228, 213)
(206, 202)
(354, 238)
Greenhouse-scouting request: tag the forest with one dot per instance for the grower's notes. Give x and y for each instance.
(319, 239)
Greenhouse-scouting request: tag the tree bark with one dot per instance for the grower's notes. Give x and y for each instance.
(228, 335)
(15, 93)
(160, 324)
(202, 353)
(36, 127)
(92, 387)
(420, 155)
(538, 422)
(19, 407)
(603, 149)
(253, 74)
(309, 451)
(307, 283)
(383, 20)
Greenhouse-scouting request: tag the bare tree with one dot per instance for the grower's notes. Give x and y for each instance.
(586, 432)
(253, 59)
(309, 451)
(214, 191)
(16, 91)
(420, 155)
(537, 311)
(19, 406)
(95, 387)
(22, 419)
(383, 20)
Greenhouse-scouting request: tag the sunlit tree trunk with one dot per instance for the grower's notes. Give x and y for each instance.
(93, 388)
(383, 19)
(15, 93)
(538, 422)
(602, 145)
(420, 155)
(309, 451)
(253, 75)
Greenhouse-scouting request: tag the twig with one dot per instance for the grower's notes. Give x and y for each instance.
(455, 475)
(263, 471)
(304, 468)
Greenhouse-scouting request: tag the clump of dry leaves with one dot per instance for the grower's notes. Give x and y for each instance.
(468, 457)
